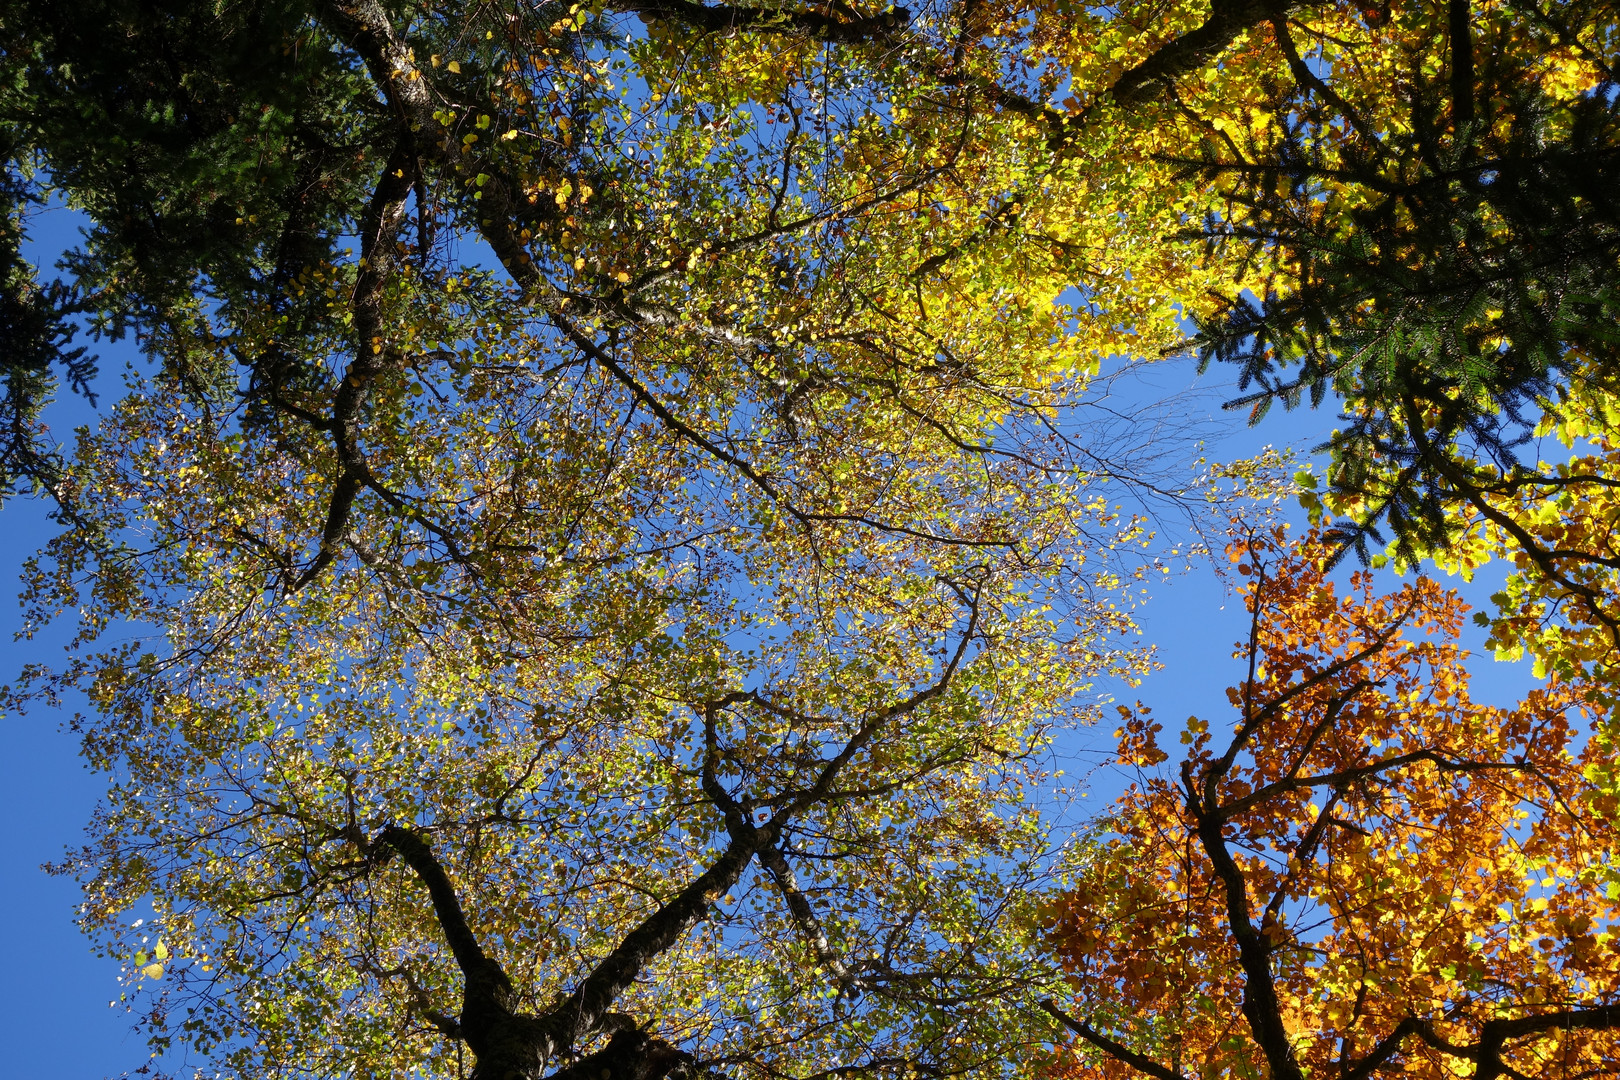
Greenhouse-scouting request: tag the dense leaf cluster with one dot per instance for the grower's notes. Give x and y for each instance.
(1442, 279)
(1365, 873)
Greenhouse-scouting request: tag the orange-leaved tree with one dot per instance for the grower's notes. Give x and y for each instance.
(1362, 873)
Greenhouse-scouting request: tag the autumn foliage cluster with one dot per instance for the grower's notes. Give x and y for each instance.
(1358, 868)
(627, 503)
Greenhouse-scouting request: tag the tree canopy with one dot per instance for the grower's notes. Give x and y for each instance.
(1366, 874)
(625, 493)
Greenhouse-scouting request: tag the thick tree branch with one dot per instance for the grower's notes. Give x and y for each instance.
(506, 1044)
(727, 18)
(1112, 1047)
(583, 1010)
(372, 354)
(1495, 1033)
(1364, 1066)
(1261, 1006)
(1343, 777)
(365, 27)
(470, 956)
(1153, 76)
(772, 858)
(1458, 17)
(1307, 79)
(631, 1054)
(1192, 50)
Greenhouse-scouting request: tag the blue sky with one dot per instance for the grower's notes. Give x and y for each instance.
(54, 1014)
